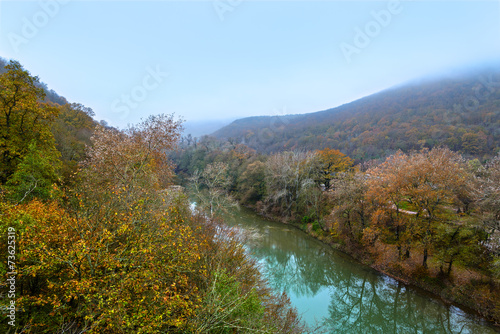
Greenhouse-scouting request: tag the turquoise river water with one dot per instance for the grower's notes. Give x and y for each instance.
(329, 288)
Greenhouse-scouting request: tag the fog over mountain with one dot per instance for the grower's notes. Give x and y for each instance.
(460, 110)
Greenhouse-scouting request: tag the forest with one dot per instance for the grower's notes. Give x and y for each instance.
(461, 112)
(96, 237)
(428, 217)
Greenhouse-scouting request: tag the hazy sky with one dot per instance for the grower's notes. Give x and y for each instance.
(228, 58)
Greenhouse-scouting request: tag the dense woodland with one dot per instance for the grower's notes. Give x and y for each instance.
(428, 217)
(103, 241)
(460, 112)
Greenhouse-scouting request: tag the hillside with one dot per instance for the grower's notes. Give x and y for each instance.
(460, 112)
(71, 126)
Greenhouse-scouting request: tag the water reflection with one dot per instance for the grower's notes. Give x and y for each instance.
(376, 305)
(346, 296)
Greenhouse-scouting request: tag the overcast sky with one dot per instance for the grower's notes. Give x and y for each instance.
(229, 58)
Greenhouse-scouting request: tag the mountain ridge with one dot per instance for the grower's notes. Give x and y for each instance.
(460, 111)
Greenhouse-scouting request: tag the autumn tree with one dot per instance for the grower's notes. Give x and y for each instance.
(350, 214)
(211, 188)
(459, 242)
(24, 118)
(487, 192)
(416, 191)
(288, 175)
(332, 162)
(72, 130)
(251, 182)
(35, 176)
(384, 184)
(132, 163)
(474, 143)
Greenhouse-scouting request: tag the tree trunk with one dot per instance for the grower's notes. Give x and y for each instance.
(407, 253)
(449, 267)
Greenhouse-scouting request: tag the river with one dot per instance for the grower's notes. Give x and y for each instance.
(345, 296)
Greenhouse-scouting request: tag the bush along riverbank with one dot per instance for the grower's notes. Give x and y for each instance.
(429, 218)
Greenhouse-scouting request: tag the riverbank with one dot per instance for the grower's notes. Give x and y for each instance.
(470, 291)
(449, 247)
